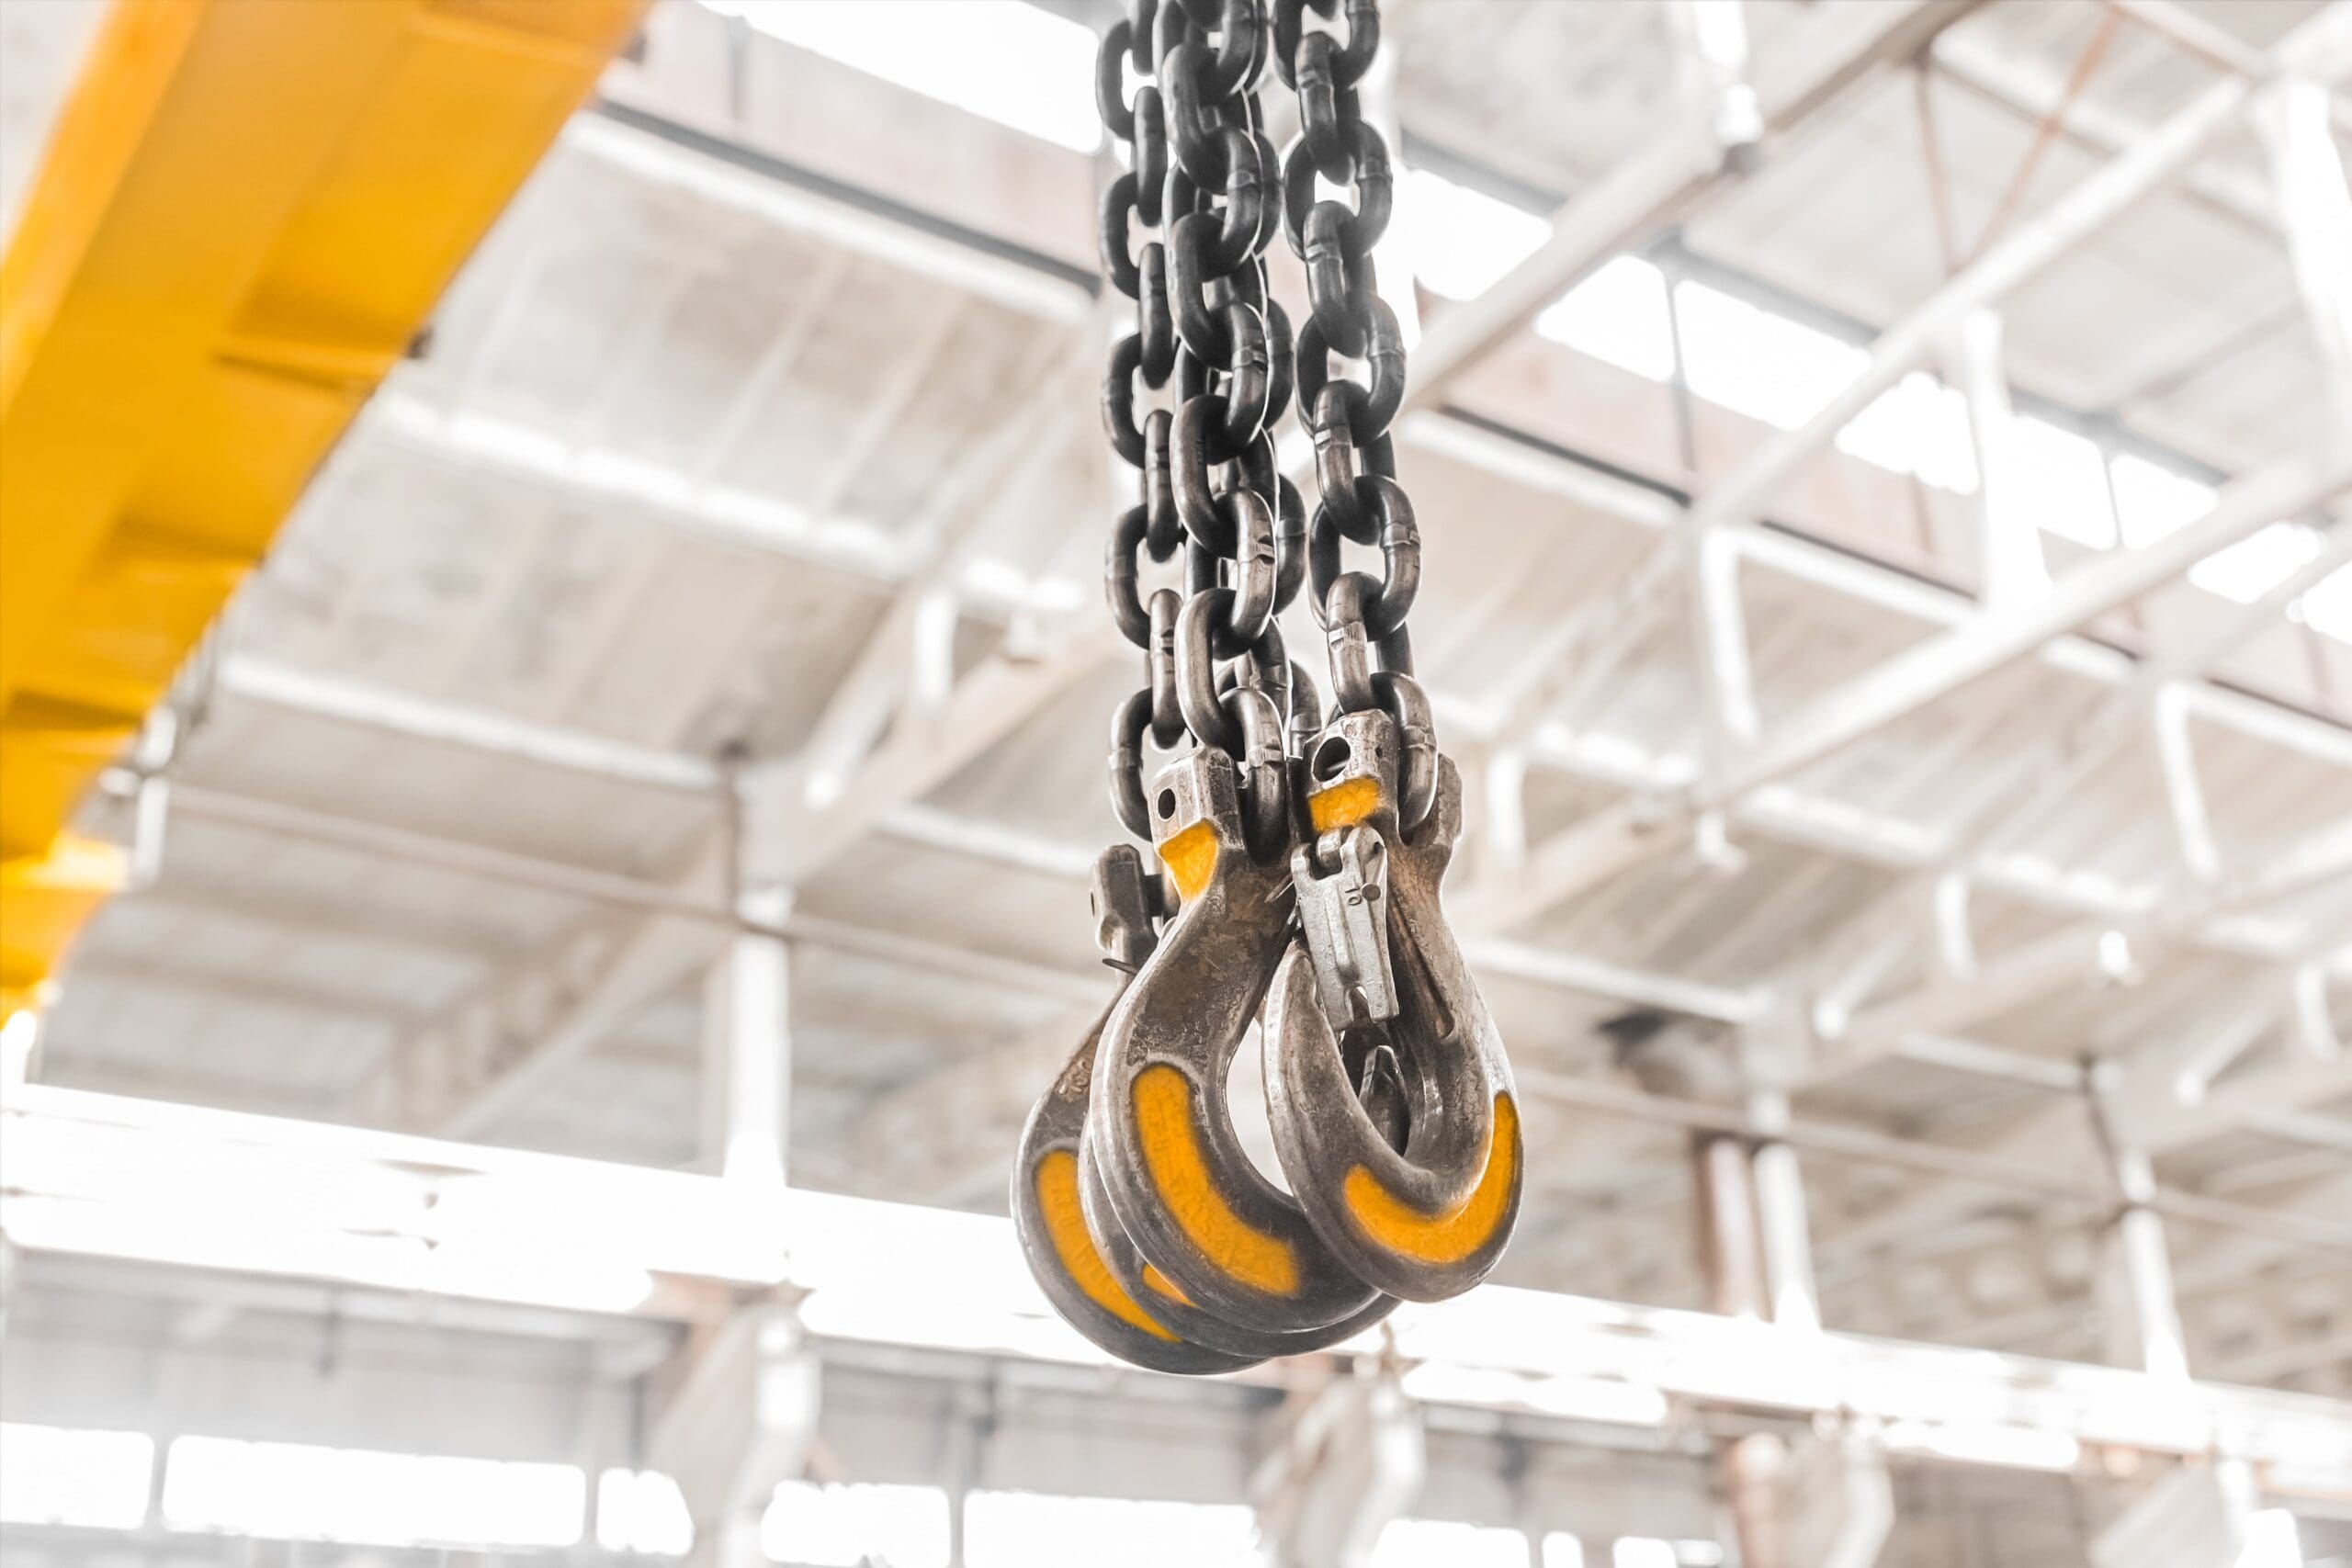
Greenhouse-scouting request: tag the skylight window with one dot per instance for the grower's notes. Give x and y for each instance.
(1757, 362)
(1642, 1552)
(642, 1511)
(63, 1475)
(1919, 426)
(1617, 315)
(2058, 480)
(1003, 60)
(1444, 1543)
(2151, 501)
(1458, 241)
(2255, 565)
(301, 1491)
(848, 1526)
(1033, 1530)
(2327, 605)
(1563, 1550)
(2271, 1541)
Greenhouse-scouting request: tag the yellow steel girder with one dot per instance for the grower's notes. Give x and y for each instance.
(246, 211)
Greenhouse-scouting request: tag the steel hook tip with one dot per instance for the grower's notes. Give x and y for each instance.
(1428, 1215)
(1160, 1130)
(1048, 1217)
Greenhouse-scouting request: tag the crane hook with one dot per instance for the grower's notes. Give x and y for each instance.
(1392, 1103)
(1160, 1131)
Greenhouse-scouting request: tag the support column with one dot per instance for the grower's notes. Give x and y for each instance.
(2142, 1316)
(1712, 36)
(2169, 714)
(740, 1412)
(2199, 1514)
(747, 1020)
(1734, 1255)
(741, 1398)
(1791, 1296)
(2010, 569)
(2315, 210)
(1352, 1458)
(747, 1045)
(1747, 1468)
(1840, 1502)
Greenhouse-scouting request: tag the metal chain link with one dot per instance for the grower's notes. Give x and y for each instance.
(1359, 498)
(1183, 232)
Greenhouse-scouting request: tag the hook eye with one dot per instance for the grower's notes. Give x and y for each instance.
(1048, 1217)
(1427, 1220)
(1174, 1174)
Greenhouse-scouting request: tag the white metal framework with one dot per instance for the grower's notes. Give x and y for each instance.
(669, 736)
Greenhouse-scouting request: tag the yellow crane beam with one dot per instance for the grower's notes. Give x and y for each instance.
(247, 210)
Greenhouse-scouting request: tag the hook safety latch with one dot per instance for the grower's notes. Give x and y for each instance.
(1342, 880)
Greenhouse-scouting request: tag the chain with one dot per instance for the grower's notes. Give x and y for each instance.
(1380, 1064)
(1183, 234)
(1358, 498)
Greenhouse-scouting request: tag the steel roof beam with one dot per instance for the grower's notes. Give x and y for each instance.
(1630, 833)
(466, 1220)
(1619, 839)
(1676, 172)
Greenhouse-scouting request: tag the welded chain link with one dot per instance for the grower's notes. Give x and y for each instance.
(1183, 234)
(1359, 500)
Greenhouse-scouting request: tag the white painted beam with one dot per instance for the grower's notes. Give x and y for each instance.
(293, 690)
(880, 680)
(2075, 954)
(2030, 249)
(1624, 835)
(2159, 1103)
(1913, 679)
(2010, 569)
(789, 842)
(105, 1178)
(654, 958)
(1665, 181)
(2315, 212)
(1526, 462)
(747, 1046)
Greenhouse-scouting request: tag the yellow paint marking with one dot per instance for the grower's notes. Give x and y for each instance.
(1065, 1227)
(1164, 1285)
(1344, 803)
(1454, 1235)
(1171, 1153)
(1190, 857)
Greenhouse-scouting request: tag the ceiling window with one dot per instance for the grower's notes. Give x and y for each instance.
(836, 1526)
(2256, 564)
(2057, 481)
(303, 1491)
(1757, 362)
(63, 1475)
(1457, 240)
(1034, 1530)
(1002, 60)
(1919, 426)
(1445, 1543)
(1617, 315)
(642, 1511)
(2151, 501)
(2327, 605)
